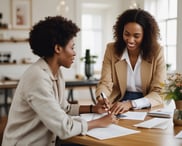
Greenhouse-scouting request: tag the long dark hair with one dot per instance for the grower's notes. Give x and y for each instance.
(150, 29)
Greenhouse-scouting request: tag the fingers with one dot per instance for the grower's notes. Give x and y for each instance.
(116, 108)
(106, 101)
(100, 100)
(105, 105)
(102, 108)
(114, 119)
(121, 107)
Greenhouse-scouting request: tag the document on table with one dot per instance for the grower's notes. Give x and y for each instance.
(133, 115)
(91, 116)
(111, 131)
(161, 123)
(163, 113)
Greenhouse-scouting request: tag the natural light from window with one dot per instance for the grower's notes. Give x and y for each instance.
(167, 19)
(92, 36)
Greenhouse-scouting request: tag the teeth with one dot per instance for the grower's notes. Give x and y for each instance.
(131, 45)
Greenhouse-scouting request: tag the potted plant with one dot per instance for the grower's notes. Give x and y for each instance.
(172, 90)
(89, 61)
(168, 66)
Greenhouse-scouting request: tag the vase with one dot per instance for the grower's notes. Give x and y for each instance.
(89, 70)
(177, 117)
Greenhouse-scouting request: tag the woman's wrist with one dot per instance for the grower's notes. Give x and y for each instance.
(130, 104)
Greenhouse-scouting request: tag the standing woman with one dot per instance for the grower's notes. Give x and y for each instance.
(133, 65)
(39, 111)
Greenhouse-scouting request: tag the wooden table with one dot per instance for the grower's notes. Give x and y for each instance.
(146, 137)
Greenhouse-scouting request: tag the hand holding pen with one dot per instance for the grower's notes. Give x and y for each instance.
(105, 102)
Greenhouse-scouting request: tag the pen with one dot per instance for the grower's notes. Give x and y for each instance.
(104, 98)
(120, 116)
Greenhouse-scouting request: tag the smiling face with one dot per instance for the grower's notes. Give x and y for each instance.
(67, 54)
(133, 36)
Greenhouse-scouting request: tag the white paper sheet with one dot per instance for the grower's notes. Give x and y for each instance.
(91, 116)
(108, 132)
(161, 123)
(133, 115)
(179, 135)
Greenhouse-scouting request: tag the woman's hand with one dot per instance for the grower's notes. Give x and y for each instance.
(121, 107)
(103, 121)
(100, 108)
(107, 120)
(103, 106)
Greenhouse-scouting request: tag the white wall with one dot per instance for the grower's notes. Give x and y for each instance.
(41, 9)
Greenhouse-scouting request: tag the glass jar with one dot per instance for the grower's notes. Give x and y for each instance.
(177, 117)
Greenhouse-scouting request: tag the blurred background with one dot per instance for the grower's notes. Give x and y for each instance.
(95, 18)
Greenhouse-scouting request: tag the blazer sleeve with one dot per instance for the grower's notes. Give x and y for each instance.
(42, 100)
(106, 83)
(158, 77)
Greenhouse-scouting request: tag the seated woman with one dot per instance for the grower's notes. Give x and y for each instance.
(134, 65)
(39, 112)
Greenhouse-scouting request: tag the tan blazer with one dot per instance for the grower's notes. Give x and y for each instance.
(114, 76)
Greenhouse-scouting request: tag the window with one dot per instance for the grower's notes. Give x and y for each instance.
(92, 36)
(93, 29)
(167, 20)
(165, 12)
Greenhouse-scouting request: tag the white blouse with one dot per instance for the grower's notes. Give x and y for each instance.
(134, 81)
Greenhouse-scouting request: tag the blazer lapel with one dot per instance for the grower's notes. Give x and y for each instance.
(145, 74)
(121, 68)
(121, 75)
(61, 86)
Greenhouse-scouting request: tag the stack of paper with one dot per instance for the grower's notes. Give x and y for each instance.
(160, 123)
(163, 113)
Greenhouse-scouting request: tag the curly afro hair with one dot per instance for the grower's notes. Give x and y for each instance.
(50, 32)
